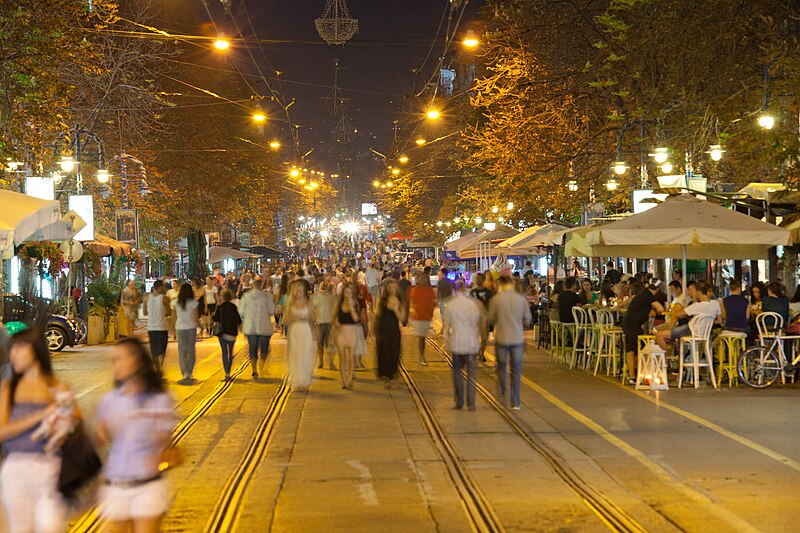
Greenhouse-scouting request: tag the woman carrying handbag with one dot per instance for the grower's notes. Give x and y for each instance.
(137, 420)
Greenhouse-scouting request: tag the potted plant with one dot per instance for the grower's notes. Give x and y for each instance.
(104, 293)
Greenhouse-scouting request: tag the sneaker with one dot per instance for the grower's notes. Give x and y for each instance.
(423, 362)
(515, 407)
(255, 375)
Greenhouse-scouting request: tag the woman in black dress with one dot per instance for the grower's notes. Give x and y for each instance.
(391, 312)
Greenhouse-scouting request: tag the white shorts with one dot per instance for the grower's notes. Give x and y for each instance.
(30, 495)
(120, 504)
(421, 327)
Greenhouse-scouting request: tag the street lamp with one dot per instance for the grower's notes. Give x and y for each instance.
(495, 209)
(420, 141)
(619, 167)
(660, 155)
(403, 159)
(612, 184)
(294, 173)
(510, 206)
(222, 43)
(433, 114)
(274, 145)
(395, 171)
(715, 152)
(389, 183)
(766, 121)
(259, 117)
(376, 183)
(67, 163)
(102, 175)
(470, 40)
(572, 185)
(666, 168)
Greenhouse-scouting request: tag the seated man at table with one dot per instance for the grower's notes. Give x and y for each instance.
(567, 300)
(644, 304)
(703, 305)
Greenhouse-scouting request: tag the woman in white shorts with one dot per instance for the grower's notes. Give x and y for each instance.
(137, 419)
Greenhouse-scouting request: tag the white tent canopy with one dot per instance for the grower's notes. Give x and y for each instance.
(452, 249)
(532, 240)
(493, 237)
(21, 216)
(217, 254)
(706, 230)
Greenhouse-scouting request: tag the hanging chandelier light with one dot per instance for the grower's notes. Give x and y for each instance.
(336, 26)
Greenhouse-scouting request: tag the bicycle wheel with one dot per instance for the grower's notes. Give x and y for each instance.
(758, 367)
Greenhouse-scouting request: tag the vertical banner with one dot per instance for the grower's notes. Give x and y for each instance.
(84, 206)
(128, 227)
(39, 187)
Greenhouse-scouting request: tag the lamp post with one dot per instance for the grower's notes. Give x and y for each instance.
(123, 159)
(80, 137)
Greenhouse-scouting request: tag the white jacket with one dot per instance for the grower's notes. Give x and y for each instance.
(256, 309)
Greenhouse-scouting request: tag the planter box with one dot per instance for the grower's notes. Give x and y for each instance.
(95, 333)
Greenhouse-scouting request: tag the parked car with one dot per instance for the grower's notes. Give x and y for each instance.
(60, 332)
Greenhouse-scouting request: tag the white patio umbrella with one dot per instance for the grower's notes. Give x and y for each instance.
(689, 228)
(452, 248)
(532, 240)
(22, 216)
(217, 254)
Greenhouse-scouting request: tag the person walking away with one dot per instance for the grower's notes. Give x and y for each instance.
(280, 301)
(157, 311)
(130, 300)
(464, 324)
(348, 325)
(444, 290)
(136, 419)
(483, 295)
(228, 318)
(510, 314)
(372, 279)
(389, 313)
(257, 310)
(200, 296)
(644, 304)
(405, 288)
(211, 301)
(186, 329)
(422, 300)
(299, 320)
(172, 296)
(29, 476)
(324, 304)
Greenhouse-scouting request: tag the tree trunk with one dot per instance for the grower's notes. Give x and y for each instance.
(196, 243)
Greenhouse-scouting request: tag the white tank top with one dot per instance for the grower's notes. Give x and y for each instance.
(211, 296)
(157, 318)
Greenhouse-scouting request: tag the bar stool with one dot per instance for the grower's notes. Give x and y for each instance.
(608, 345)
(581, 338)
(699, 340)
(556, 338)
(731, 345)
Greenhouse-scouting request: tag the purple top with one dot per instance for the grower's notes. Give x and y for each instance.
(136, 425)
(22, 443)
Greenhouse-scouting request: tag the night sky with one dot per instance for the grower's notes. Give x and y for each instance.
(376, 66)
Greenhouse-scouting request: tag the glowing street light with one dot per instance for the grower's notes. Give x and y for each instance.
(478, 220)
(395, 171)
(619, 167)
(660, 155)
(470, 40)
(666, 168)
(222, 43)
(510, 206)
(766, 121)
(612, 184)
(433, 114)
(294, 173)
(274, 145)
(403, 159)
(67, 163)
(420, 141)
(389, 183)
(715, 152)
(259, 117)
(301, 181)
(495, 209)
(376, 183)
(102, 176)
(572, 185)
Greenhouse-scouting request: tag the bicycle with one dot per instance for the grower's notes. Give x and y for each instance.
(760, 366)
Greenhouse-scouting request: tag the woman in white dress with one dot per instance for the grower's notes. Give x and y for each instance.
(300, 337)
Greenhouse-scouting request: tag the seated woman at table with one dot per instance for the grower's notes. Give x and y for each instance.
(552, 304)
(655, 286)
(607, 291)
(587, 295)
(642, 306)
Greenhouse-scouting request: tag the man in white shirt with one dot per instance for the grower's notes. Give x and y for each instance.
(157, 309)
(256, 309)
(703, 305)
(463, 322)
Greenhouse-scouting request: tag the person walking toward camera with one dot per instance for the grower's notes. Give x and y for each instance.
(29, 476)
(186, 329)
(136, 419)
(228, 318)
(257, 309)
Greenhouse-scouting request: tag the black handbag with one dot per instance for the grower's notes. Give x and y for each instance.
(80, 463)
